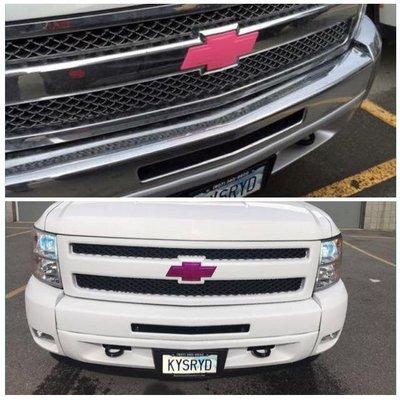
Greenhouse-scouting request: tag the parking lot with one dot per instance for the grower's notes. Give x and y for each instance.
(363, 361)
(358, 161)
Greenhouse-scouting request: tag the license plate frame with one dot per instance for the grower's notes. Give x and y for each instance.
(267, 164)
(159, 353)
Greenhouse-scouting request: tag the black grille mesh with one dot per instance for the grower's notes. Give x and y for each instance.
(173, 288)
(137, 35)
(165, 92)
(172, 253)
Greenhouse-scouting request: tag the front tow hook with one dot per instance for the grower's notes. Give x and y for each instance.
(114, 350)
(261, 351)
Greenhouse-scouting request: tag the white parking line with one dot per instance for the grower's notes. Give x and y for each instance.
(19, 233)
(370, 237)
(17, 227)
(369, 254)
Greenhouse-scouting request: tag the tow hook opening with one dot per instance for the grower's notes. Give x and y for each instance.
(261, 351)
(112, 350)
(309, 140)
(43, 335)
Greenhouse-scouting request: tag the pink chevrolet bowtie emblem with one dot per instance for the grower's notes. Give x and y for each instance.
(220, 50)
(190, 271)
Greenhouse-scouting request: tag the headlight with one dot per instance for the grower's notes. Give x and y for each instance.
(45, 258)
(330, 263)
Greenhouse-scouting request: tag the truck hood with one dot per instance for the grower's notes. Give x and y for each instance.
(190, 220)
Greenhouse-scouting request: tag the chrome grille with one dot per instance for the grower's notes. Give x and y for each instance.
(123, 101)
(137, 35)
(172, 253)
(173, 288)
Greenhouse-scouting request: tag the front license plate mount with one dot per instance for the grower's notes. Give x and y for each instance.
(162, 356)
(242, 184)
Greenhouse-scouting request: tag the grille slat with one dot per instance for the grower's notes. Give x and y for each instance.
(173, 253)
(104, 105)
(173, 288)
(140, 34)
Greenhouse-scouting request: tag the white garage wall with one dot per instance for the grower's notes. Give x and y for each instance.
(380, 215)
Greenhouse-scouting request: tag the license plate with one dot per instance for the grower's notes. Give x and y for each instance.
(241, 185)
(196, 364)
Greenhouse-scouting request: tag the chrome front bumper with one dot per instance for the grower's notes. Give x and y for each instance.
(328, 95)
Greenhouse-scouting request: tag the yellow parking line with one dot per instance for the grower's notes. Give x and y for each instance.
(369, 254)
(379, 112)
(19, 233)
(15, 292)
(358, 182)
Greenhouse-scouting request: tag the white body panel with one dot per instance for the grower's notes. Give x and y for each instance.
(81, 320)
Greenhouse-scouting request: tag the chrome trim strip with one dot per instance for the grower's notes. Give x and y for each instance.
(284, 20)
(102, 59)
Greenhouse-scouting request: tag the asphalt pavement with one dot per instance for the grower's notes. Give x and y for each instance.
(363, 361)
(365, 142)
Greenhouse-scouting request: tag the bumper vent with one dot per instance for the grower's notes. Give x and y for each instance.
(137, 35)
(104, 105)
(173, 253)
(173, 288)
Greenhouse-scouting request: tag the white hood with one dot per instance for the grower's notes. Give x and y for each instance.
(190, 220)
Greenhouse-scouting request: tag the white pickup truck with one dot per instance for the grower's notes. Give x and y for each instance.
(186, 288)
